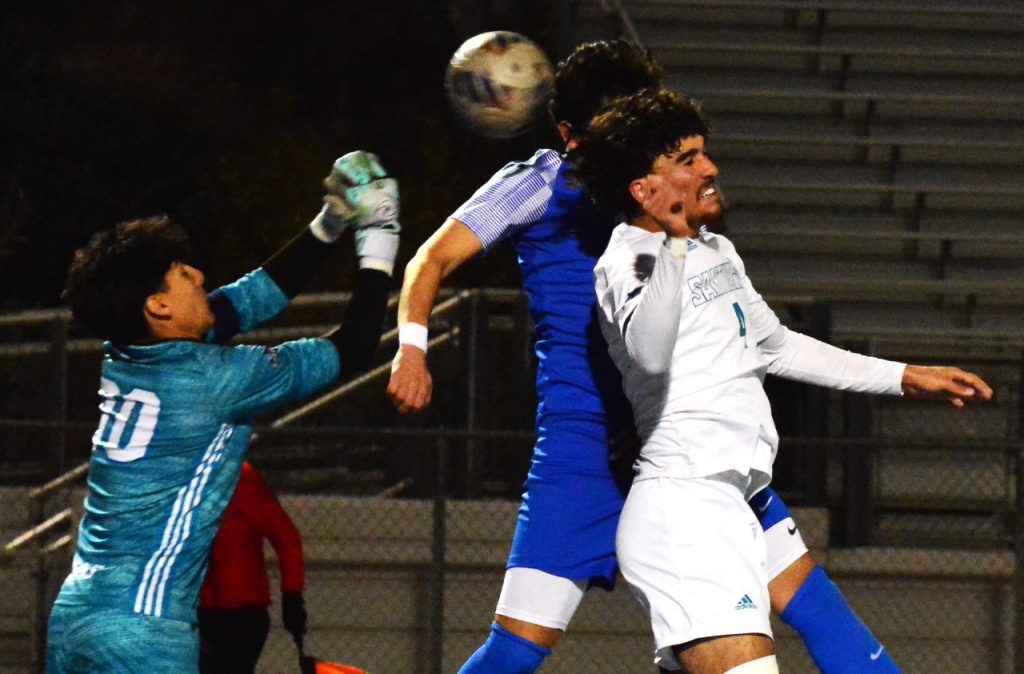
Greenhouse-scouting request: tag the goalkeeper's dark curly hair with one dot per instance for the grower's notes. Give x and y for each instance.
(622, 142)
(112, 275)
(597, 72)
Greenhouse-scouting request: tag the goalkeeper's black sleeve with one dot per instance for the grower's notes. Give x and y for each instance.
(290, 268)
(293, 265)
(357, 338)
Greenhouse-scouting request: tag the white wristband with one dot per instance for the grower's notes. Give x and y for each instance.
(413, 334)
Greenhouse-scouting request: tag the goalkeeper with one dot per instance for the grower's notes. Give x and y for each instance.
(176, 407)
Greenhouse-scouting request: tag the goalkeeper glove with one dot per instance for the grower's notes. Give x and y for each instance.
(376, 223)
(350, 170)
(354, 168)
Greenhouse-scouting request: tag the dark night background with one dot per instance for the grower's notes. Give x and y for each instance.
(227, 115)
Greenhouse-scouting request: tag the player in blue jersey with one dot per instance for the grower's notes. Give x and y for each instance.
(565, 534)
(176, 408)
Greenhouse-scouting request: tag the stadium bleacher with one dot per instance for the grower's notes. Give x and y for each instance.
(872, 155)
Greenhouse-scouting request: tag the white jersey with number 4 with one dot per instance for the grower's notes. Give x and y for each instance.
(693, 341)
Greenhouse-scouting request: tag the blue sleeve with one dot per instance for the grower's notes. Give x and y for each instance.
(514, 197)
(257, 379)
(244, 304)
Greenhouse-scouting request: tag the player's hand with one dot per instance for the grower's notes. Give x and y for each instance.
(663, 204)
(293, 614)
(359, 193)
(957, 385)
(374, 215)
(354, 168)
(411, 384)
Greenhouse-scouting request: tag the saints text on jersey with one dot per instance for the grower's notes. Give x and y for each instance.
(715, 282)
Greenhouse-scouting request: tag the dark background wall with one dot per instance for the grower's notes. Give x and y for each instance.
(226, 115)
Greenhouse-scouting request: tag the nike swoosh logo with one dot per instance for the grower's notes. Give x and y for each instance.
(877, 654)
(766, 504)
(792, 530)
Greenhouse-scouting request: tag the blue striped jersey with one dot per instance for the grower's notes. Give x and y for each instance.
(558, 237)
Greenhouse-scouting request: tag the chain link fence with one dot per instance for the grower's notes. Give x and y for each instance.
(912, 506)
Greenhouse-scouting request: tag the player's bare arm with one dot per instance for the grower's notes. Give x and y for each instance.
(451, 245)
(957, 385)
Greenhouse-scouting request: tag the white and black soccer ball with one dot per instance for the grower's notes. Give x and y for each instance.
(499, 83)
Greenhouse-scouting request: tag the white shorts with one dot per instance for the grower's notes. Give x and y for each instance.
(694, 554)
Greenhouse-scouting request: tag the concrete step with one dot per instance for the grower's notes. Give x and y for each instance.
(819, 138)
(861, 96)
(995, 16)
(690, 43)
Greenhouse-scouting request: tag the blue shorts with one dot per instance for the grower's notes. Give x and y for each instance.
(91, 640)
(570, 510)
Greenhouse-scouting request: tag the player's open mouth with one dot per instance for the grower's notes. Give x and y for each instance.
(708, 192)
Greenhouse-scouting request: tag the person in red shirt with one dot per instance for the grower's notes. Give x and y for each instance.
(233, 616)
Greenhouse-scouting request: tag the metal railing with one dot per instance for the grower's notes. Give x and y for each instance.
(449, 446)
(42, 541)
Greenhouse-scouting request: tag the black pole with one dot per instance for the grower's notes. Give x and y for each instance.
(435, 605)
(474, 458)
(40, 579)
(1018, 568)
(59, 389)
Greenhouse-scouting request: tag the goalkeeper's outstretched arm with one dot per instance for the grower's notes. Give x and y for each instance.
(372, 212)
(354, 176)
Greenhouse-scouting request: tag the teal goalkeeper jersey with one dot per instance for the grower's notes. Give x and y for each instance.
(173, 430)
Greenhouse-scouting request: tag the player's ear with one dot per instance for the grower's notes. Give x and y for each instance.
(156, 308)
(566, 134)
(638, 189)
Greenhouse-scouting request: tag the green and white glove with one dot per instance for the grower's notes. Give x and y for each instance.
(376, 223)
(338, 214)
(354, 168)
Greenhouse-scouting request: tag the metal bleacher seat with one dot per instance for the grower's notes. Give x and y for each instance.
(865, 147)
(967, 142)
(816, 137)
(966, 52)
(1007, 321)
(815, 231)
(973, 15)
(875, 317)
(946, 96)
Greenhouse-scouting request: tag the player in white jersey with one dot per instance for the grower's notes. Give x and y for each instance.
(564, 540)
(693, 341)
(176, 412)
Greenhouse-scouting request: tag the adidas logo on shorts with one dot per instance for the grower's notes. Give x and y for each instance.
(745, 602)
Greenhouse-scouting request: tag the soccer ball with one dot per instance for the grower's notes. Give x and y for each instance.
(498, 83)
